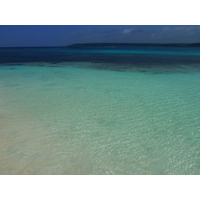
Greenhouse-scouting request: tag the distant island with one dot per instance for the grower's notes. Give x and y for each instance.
(108, 45)
(91, 45)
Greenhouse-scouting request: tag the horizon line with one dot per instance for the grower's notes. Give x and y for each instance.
(108, 43)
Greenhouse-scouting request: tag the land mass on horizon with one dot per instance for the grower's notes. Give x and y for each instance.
(83, 45)
(111, 45)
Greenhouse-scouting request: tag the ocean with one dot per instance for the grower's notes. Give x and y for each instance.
(102, 110)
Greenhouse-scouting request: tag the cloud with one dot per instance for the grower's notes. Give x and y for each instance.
(166, 29)
(180, 33)
(128, 31)
(181, 29)
(138, 34)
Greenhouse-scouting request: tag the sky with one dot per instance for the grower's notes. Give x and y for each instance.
(61, 35)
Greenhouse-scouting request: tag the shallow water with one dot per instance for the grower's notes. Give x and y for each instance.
(70, 118)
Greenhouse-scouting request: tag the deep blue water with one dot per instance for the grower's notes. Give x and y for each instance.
(117, 58)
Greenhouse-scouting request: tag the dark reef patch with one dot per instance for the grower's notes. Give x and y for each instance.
(145, 60)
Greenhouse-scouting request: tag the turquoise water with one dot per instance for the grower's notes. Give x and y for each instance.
(72, 119)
